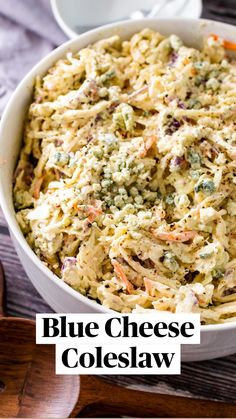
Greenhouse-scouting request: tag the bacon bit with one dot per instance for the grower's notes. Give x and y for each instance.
(88, 90)
(227, 44)
(208, 150)
(69, 262)
(94, 210)
(18, 172)
(120, 273)
(178, 163)
(28, 174)
(149, 142)
(114, 105)
(37, 187)
(173, 58)
(181, 105)
(174, 236)
(58, 142)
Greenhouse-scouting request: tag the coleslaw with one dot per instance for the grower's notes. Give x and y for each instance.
(126, 182)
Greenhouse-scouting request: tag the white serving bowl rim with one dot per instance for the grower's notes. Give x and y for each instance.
(10, 218)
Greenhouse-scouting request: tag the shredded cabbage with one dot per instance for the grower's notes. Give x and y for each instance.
(126, 181)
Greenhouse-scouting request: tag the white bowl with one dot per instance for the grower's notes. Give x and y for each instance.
(216, 340)
(74, 16)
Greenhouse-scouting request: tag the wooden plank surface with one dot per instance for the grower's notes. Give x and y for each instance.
(214, 380)
(22, 298)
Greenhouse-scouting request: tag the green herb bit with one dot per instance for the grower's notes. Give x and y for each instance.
(194, 159)
(170, 200)
(206, 255)
(198, 81)
(60, 158)
(170, 262)
(107, 76)
(195, 174)
(194, 104)
(218, 273)
(206, 185)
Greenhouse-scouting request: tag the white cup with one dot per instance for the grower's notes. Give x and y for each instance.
(76, 16)
(81, 15)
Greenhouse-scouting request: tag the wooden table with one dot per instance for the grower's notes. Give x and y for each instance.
(215, 380)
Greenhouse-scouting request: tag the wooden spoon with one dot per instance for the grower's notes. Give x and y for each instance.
(29, 387)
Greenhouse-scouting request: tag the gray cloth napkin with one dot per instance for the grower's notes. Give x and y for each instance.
(28, 32)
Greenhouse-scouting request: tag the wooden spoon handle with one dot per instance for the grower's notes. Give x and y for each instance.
(99, 398)
(2, 292)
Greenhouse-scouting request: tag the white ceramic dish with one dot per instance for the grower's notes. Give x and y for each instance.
(216, 340)
(73, 16)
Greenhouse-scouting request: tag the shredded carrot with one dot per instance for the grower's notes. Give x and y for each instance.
(193, 71)
(214, 36)
(227, 44)
(75, 206)
(174, 236)
(120, 273)
(148, 287)
(186, 61)
(94, 210)
(37, 187)
(149, 142)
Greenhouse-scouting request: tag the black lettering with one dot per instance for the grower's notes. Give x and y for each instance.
(173, 330)
(187, 326)
(108, 327)
(90, 360)
(163, 357)
(50, 323)
(129, 325)
(72, 332)
(111, 356)
(63, 326)
(65, 355)
(146, 362)
(99, 357)
(145, 326)
(123, 358)
(133, 357)
(89, 328)
(158, 327)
